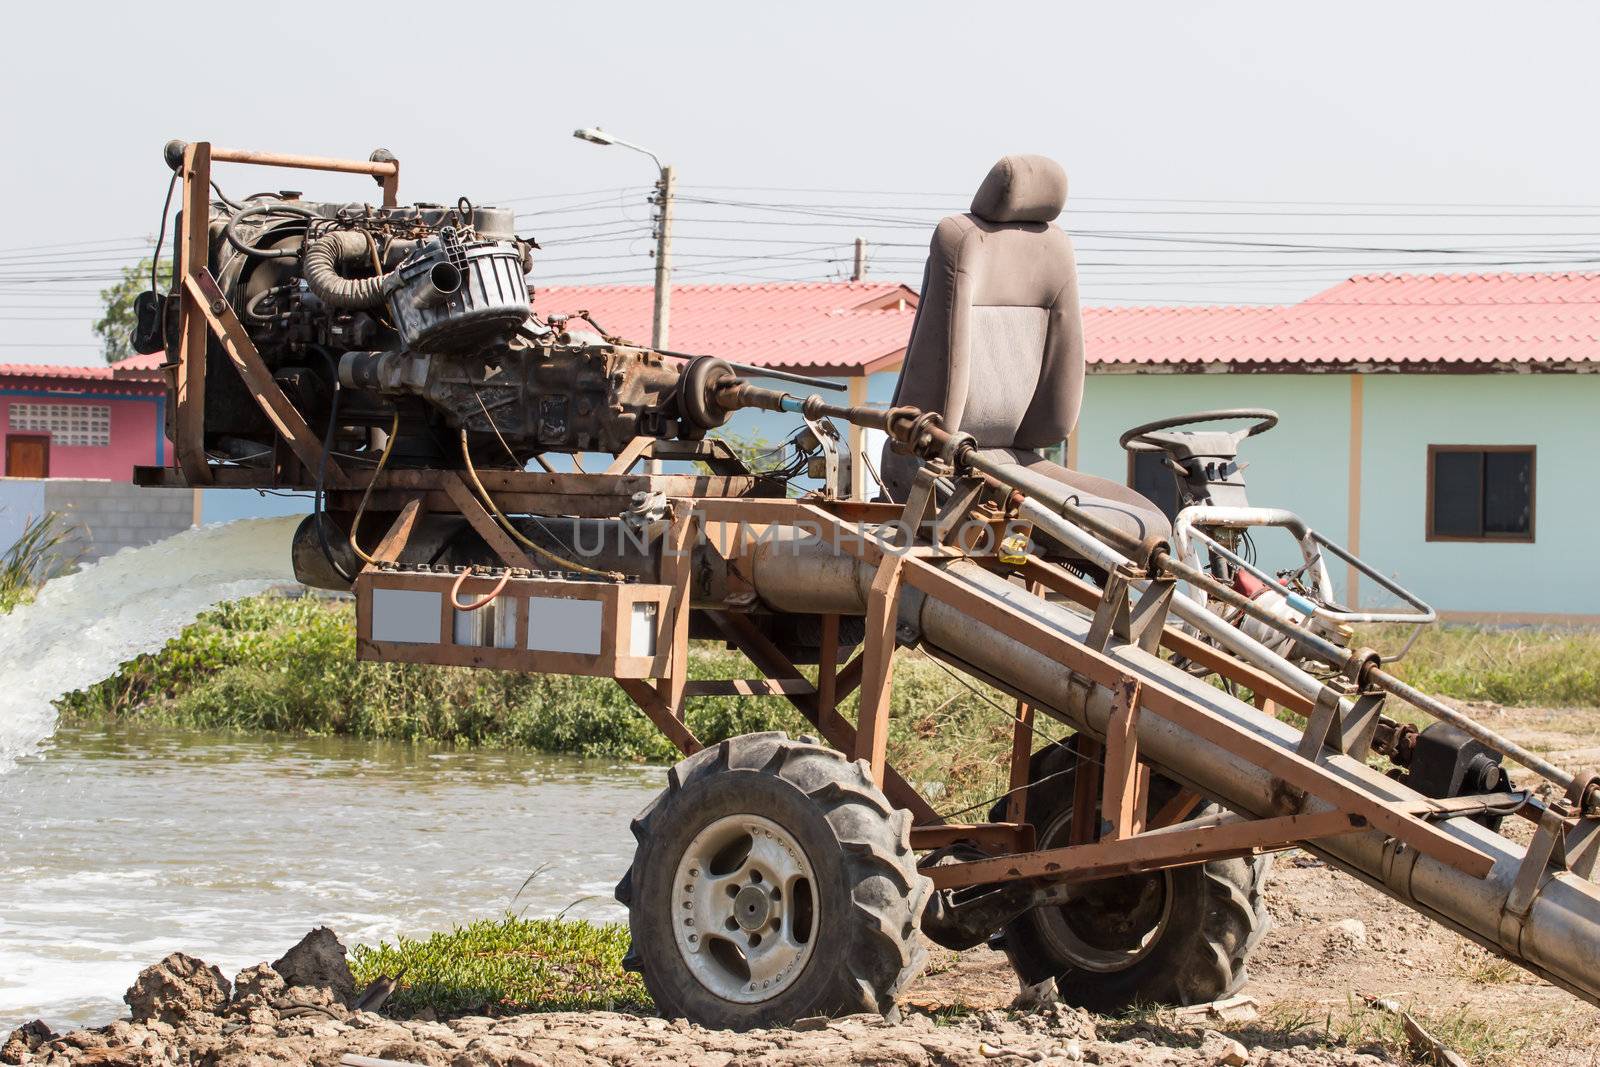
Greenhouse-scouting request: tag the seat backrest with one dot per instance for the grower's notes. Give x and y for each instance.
(997, 346)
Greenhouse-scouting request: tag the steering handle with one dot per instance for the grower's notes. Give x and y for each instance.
(1137, 439)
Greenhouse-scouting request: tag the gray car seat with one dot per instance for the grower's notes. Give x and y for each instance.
(997, 343)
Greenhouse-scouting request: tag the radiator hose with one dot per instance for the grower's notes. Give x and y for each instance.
(320, 266)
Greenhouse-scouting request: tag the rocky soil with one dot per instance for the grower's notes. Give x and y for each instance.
(304, 1009)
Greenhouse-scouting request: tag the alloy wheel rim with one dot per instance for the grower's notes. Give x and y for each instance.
(744, 908)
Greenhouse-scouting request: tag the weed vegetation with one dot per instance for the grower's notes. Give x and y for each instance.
(505, 966)
(39, 554)
(1522, 666)
(288, 664)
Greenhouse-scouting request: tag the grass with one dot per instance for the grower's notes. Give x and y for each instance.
(1526, 666)
(505, 966)
(37, 556)
(276, 664)
(1490, 1041)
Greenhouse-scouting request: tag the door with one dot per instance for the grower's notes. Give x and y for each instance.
(27, 457)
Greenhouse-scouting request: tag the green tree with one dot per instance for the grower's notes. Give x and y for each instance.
(116, 321)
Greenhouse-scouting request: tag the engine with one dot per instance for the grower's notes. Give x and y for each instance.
(417, 317)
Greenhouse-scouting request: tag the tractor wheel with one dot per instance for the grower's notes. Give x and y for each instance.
(1178, 936)
(773, 881)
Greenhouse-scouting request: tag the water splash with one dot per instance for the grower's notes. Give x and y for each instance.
(83, 625)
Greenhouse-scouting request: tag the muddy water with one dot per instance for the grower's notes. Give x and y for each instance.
(117, 847)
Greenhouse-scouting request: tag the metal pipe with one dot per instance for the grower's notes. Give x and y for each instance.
(1247, 648)
(376, 168)
(1184, 607)
(1560, 936)
(1051, 492)
(1439, 709)
(904, 423)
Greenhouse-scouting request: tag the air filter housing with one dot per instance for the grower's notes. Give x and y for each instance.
(454, 293)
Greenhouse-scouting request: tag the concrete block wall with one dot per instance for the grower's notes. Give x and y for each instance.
(106, 516)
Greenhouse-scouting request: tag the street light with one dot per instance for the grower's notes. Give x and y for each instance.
(664, 191)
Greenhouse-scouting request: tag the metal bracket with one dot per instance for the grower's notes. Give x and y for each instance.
(1111, 616)
(947, 523)
(1149, 617)
(1583, 848)
(920, 500)
(1140, 625)
(1331, 728)
(835, 484)
(1547, 853)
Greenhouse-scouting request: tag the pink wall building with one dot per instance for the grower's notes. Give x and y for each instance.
(82, 422)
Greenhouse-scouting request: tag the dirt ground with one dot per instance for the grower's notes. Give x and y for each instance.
(1335, 940)
(1333, 943)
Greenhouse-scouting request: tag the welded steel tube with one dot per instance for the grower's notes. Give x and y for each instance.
(1041, 492)
(1439, 709)
(1560, 937)
(1195, 614)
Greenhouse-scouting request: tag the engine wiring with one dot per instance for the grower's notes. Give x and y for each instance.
(521, 538)
(366, 495)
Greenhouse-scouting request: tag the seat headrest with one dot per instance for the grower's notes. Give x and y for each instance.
(1022, 188)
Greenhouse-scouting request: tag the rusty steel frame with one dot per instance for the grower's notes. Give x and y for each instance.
(1112, 781)
(202, 309)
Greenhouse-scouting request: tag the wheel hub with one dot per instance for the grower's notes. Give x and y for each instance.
(752, 907)
(744, 908)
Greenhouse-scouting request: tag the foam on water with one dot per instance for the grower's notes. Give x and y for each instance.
(84, 624)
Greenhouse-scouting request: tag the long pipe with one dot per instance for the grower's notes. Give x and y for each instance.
(1050, 492)
(1560, 937)
(920, 431)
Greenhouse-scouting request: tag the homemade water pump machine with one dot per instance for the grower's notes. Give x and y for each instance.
(1182, 709)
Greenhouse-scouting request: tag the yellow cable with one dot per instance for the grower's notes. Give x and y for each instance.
(388, 446)
(506, 524)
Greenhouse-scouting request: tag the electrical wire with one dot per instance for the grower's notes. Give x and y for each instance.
(510, 527)
(161, 232)
(486, 600)
(355, 524)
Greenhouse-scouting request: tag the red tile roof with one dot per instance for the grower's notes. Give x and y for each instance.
(1386, 319)
(841, 328)
(850, 328)
(141, 369)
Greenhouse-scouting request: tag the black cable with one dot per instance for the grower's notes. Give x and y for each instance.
(265, 209)
(322, 467)
(215, 188)
(161, 232)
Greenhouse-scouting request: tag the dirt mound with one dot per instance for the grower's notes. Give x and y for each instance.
(318, 962)
(296, 1011)
(178, 987)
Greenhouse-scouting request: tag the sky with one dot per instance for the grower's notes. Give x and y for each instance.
(1227, 153)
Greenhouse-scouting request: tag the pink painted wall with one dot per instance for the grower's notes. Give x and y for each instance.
(134, 440)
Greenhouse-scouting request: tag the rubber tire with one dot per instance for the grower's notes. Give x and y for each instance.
(1218, 916)
(869, 893)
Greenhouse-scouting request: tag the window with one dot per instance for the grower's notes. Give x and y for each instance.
(1480, 492)
(69, 425)
(1151, 478)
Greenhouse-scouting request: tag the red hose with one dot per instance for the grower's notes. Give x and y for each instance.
(455, 590)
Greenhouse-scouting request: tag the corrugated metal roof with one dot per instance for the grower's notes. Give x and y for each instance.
(811, 327)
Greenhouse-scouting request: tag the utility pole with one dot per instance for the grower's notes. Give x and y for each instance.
(859, 272)
(663, 308)
(663, 199)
